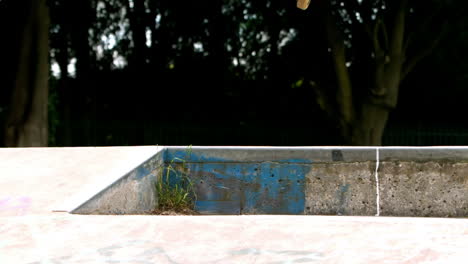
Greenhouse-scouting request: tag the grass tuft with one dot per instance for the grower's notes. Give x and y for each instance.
(174, 188)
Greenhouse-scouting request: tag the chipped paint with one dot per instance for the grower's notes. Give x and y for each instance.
(270, 187)
(303, 180)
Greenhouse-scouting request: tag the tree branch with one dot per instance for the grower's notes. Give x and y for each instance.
(380, 26)
(344, 94)
(398, 33)
(322, 99)
(423, 53)
(375, 38)
(421, 27)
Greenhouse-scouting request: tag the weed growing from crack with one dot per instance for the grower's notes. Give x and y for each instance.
(174, 189)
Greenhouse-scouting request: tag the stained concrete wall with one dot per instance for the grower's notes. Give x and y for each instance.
(308, 180)
(424, 182)
(281, 180)
(343, 188)
(133, 193)
(329, 181)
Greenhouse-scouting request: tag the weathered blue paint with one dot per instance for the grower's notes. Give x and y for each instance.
(142, 172)
(196, 156)
(343, 181)
(342, 198)
(187, 155)
(217, 187)
(226, 187)
(274, 188)
(344, 188)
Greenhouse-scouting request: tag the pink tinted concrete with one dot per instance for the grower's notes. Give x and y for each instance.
(32, 180)
(63, 238)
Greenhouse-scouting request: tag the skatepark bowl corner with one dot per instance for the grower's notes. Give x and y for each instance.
(256, 205)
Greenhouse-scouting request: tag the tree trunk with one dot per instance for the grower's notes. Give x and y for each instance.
(27, 121)
(369, 128)
(362, 120)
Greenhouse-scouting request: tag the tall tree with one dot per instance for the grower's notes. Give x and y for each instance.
(371, 52)
(27, 121)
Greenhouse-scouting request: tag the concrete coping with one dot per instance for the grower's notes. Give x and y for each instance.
(133, 192)
(308, 155)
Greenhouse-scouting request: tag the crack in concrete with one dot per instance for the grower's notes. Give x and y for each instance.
(377, 185)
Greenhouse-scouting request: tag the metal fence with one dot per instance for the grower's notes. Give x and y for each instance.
(138, 132)
(425, 136)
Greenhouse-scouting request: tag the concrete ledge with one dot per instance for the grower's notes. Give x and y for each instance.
(341, 189)
(297, 155)
(33, 180)
(424, 154)
(134, 193)
(437, 188)
(305, 180)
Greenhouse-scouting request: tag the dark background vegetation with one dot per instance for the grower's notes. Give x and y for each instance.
(225, 72)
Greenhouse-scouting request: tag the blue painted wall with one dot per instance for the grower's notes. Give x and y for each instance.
(227, 186)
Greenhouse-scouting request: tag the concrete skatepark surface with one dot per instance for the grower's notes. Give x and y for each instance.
(38, 187)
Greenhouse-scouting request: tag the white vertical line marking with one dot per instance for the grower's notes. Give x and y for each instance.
(377, 185)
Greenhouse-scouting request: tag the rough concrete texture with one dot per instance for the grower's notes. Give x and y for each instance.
(249, 180)
(35, 181)
(341, 189)
(431, 188)
(338, 181)
(270, 154)
(305, 180)
(134, 193)
(450, 154)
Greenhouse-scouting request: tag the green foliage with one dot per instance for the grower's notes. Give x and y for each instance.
(174, 188)
(214, 56)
